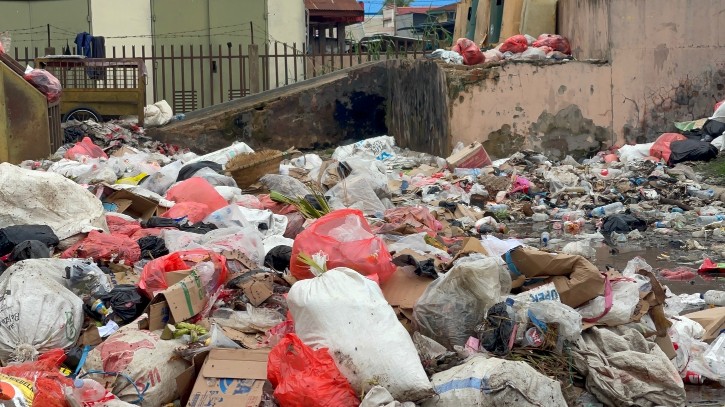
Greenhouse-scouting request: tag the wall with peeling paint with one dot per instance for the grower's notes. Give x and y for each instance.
(648, 64)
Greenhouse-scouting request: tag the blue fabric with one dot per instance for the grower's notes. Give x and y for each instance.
(83, 44)
(460, 384)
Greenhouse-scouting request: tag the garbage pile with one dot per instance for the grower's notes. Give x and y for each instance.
(519, 47)
(140, 274)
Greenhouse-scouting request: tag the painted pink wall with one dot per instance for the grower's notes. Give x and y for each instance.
(665, 62)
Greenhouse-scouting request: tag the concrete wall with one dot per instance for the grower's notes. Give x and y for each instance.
(658, 62)
(286, 23)
(106, 21)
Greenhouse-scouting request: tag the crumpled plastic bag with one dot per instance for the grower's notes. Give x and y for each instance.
(443, 312)
(515, 44)
(46, 83)
(157, 114)
(86, 148)
(472, 55)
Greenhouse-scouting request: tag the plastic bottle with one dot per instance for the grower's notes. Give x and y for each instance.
(607, 210)
(540, 217)
(87, 390)
(97, 306)
(497, 207)
(662, 224)
(706, 220)
(714, 297)
(701, 193)
(545, 239)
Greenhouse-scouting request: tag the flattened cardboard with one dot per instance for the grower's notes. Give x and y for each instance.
(230, 378)
(90, 336)
(185, 381)
(471, 245)
(123, 274)
(576, 279)
(403, 288)
(471, 156)
(511, 20)
(173, 277)
(133, 205)
(258, 288)
(712, 319)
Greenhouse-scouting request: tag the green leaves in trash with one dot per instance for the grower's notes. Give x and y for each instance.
(303, 205)
(317, 262)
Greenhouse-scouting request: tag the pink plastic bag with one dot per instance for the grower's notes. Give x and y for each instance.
(516, 44)
(345, 237)
(303, 377)
(46, 83)
(196, 190)
(153, 276)
(105, 247)
(86, 148)
(472, 55)
(193, 211)
(555, 42)
(120, 226)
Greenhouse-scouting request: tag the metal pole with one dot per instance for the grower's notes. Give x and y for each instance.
(251, 27)
(48, 35)
(471, 32)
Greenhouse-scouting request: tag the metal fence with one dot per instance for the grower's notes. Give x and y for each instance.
(191, 77)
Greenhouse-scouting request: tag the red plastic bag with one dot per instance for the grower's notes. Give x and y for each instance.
(196, 190)
(345, 237)
(105, 247)
(119, 226)
(303, 377)
(194, 212)
(515, 44)
(153, 276)
(46, 83)
(48, 381)
(409, 219)
(2, 50)
(85, 147)
(555, 42)
(156, 232)
(718, 104)
(470, 52)
(679, 274)
(661, 148)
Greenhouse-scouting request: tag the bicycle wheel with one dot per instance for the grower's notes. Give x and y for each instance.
(82, 114)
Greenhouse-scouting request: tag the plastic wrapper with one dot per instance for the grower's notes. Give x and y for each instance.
(302, 376)
(86, 148)
(193, 212)
(251, 320)
(46, 83)
(356, 192)
(215, 339)
(344, 236)
(196, 190)
(568, 320)
(160, 181)
(285, 185)
(555, 42)
(443, 312)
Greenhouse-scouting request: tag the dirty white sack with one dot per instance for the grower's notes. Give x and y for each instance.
(332, 310)
(624, 369)
(494, 382)
(157, 114)
(45, 198)
(142, 356)
(37, 314)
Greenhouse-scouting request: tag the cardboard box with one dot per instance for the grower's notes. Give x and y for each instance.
(173, 277)
(123, 274)
(511, 20)
(576, 279)
(258, 288)
(404, 288)
(90, 336)
(177, 303)
(230, 378)
(472, 156)
(712, 319)
(134, 205)
(185, 381)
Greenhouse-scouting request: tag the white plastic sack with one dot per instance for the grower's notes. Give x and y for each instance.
(570, 322)
(497, 247)
(223, 156)
(37, 314)
(236, 216)
(157, 114)
(380, 397)
(494, 382)
(214, 178)
(379, 148)
(719, 142)
(44, 198)
(449, 57)
(332, 310)
(230, 194)
(142, 356)
(624, 301)
(686, 327)
(161, 181)
(582, 248)
(307, 161)
(453, 305)
(636, 152)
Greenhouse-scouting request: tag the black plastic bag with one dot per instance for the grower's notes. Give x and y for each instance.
(126, 302)
(30, 249)
(158, 222)
(189, 170)
(691, 150)
(495, 332)
(278, 258)
(622, 223)
(12, 236)
(152, 247)
(198, 228)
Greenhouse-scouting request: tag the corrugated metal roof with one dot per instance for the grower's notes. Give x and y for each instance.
(401, 11)
(334, 5)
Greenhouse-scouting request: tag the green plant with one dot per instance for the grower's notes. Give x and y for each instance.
(303, 205)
